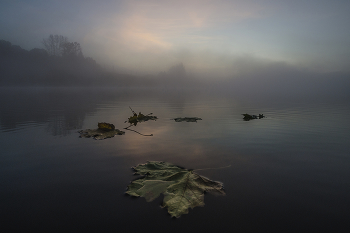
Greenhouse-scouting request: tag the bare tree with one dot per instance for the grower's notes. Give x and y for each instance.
(70, 49)
(54, 44)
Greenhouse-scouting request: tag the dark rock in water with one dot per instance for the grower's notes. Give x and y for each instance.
(106, 126)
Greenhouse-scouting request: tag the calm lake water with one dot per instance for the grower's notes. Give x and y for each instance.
(289, 171)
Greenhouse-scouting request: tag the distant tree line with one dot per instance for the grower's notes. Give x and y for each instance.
(60, 63)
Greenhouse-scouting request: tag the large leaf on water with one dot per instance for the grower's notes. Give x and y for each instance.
(182, 188)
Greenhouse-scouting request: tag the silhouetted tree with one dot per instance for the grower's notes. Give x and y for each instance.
(71, 49)
(54, 44)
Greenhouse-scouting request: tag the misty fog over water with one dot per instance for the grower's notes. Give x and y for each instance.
(247, 76)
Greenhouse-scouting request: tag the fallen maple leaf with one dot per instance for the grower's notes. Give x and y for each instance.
(182, 188)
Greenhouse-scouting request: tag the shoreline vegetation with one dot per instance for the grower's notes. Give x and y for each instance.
(62, 64)
(66, 65)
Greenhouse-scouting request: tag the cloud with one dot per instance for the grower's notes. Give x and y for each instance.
(152, 35)
(176, 23)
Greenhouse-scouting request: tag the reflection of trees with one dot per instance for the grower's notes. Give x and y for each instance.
(62, 125)
(62, 109)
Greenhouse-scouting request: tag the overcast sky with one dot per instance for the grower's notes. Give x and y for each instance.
(206, 36)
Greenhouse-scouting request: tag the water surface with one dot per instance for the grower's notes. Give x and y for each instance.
(289, 171)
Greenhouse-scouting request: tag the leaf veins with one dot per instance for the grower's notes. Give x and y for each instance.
(182, 188)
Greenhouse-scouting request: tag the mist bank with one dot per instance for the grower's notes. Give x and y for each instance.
(39, 67)
(279, 80)
(250, 77)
